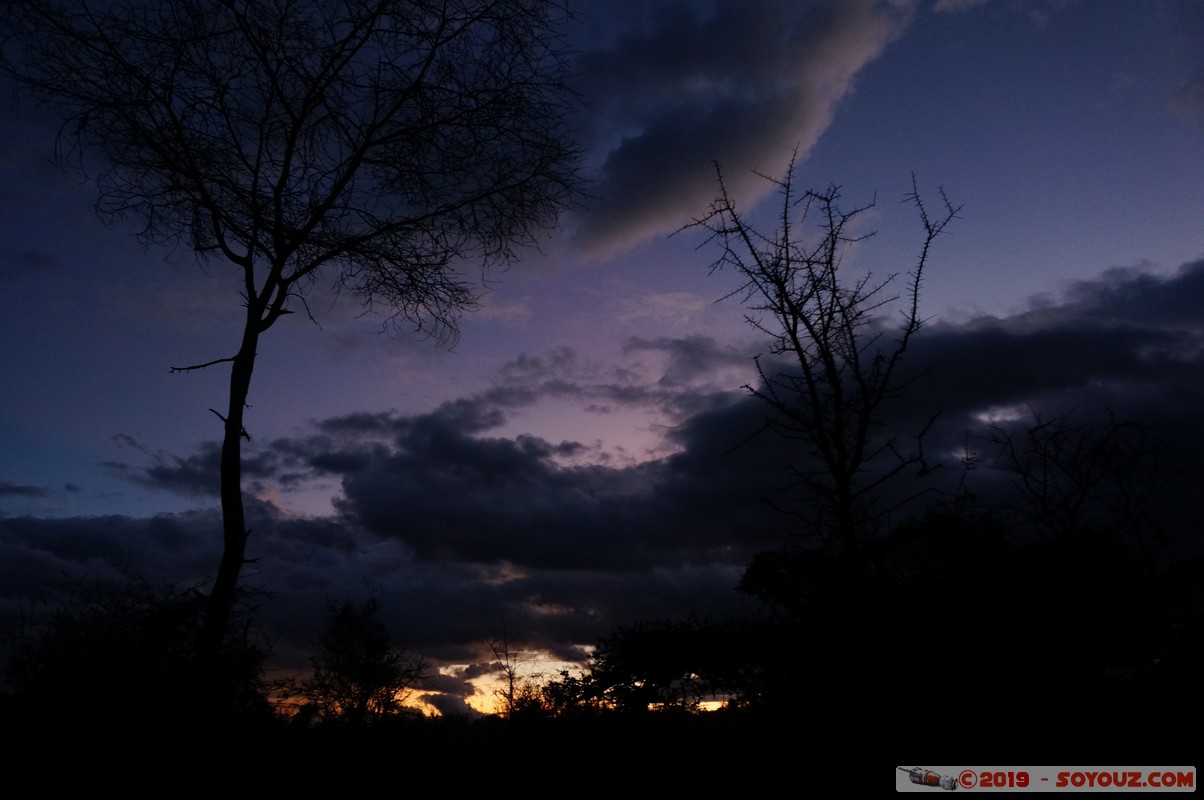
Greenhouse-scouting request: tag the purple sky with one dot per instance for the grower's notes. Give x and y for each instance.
(561, 470)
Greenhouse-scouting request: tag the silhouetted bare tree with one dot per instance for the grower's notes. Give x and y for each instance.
(835, 364)
(376, 144)
(1072, 477)
(519, 691)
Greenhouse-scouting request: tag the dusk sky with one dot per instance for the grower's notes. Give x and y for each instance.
(571, 463)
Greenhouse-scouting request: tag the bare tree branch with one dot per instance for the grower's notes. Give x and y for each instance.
(203, 366)
(831, 374)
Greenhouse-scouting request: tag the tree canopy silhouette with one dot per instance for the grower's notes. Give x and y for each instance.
(359, 675)
(374, 144)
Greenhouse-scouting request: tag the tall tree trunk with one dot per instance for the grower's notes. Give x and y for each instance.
(234, 529)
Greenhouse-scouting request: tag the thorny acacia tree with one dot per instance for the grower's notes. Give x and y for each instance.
(375, 144)
(835, 365)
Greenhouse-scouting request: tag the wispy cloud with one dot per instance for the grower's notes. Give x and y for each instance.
(21, 490)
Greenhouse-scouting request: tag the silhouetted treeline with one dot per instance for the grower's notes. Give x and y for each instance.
(949, 627)
(949, 632)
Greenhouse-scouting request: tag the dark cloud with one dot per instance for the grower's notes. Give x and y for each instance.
(448, 495)
(692, 359)
(528, 370)
(1127, 344)
(21, 490)
(198, 475)
(464, 533)
(742, 83)
(449, 705)
(44, 559)
(1128, 337)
